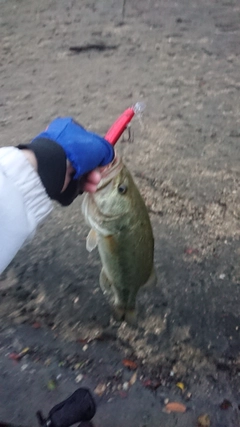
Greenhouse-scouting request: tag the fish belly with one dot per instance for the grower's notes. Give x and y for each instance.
(127, 264)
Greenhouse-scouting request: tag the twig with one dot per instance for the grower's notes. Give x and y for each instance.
(96, 46)
(123, 9)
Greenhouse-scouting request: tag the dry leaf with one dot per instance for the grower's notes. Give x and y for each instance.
(36, 325)
(100, 389)
(203, 421)
(133, 379)
(129, 364)
(24, 351)
(18, 356)
(175, 407)
(191, 251)
(47, 362)
(147, 383)
(51, 385)
(14, 356)
(225, 404)
(181, 386)
(84, 340)
(152, 385)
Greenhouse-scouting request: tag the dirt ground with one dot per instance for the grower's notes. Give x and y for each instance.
(182, 58)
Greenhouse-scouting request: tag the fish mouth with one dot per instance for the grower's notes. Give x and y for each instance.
(110, 171)
(107, 174)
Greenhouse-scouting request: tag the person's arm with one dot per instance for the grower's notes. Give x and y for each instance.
(58, 164)
(24, 203)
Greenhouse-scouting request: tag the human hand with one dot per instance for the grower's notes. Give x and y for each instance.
(68, 159)
(85, 150)
(88, 182)
(73, 187)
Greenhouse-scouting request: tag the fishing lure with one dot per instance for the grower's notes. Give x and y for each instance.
(119, 126)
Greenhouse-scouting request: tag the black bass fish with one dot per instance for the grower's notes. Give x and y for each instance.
(121, 228)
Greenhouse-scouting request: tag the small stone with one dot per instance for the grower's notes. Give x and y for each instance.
(24, 367)
(100, 389)
(203, 421)
(79, 378)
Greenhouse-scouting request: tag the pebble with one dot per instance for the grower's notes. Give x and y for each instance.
(24, 367)
(79, 378)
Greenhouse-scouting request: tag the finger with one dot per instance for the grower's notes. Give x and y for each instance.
(89, 187)
(93, 177)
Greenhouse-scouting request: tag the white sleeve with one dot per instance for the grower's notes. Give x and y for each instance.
(24, 203)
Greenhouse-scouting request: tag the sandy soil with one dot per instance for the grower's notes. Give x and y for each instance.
(182, 59)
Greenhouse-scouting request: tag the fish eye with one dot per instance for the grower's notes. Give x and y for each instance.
(122, 188)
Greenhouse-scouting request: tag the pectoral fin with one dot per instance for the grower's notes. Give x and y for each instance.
(91, 242)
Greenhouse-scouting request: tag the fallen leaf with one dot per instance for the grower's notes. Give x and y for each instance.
(100, 389)
(18, 356)
(84, 340)
(191, 251)
(153, 385)
(36, 325)
(51, 385)
(147, 383)
(181, 386)
(203, 421)
(77, 366)
(24, 351)
(225, 404)
(47, 362)
(133, 379)
(175, 407)
(14, 356)
(129, 364)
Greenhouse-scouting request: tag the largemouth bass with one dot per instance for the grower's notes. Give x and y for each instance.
(121, 228)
